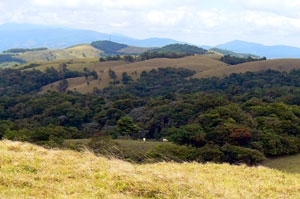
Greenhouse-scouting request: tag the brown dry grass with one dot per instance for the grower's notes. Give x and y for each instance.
(204, 65)
(29, 171)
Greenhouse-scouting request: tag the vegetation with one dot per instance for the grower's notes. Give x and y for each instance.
(23, 50)
(10, 58)
(29, 171)
(110, 48)
(233, 54)
(181, 48)
(290, 164)
(240, 118)
(237, 60)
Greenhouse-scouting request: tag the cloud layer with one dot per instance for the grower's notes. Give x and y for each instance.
(196, 21)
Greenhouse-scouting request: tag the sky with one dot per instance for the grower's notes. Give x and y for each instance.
(201, 22)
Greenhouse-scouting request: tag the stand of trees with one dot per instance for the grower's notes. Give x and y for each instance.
(232, 60)
(242, 118)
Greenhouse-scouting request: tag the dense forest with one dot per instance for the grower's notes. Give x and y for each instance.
(180, 48)
(23, 50)
(232, 60)
(239, 118)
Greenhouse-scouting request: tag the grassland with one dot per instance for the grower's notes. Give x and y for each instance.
(289, 164)
(204, 65)
(274, 64)
(29, 171)
(75, 52)
(198, 63)
(134, 145)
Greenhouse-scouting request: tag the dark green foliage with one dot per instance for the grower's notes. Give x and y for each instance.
(126, 126)
(233, 54)
(239, 60)
(181, 48)
(237, 119)
(112, 74)
(14, 82)
(126, 79)
(170, 55)
(236, 155)
(23, 50)
(10, 58)
(171, 152)
(109, 47)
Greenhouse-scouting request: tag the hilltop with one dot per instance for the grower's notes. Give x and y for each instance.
(29, 171)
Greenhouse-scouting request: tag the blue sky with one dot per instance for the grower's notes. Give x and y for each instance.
(197, 21)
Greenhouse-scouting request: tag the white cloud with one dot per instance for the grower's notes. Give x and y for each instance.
(196, 21)
(166, 17)
(283, 7)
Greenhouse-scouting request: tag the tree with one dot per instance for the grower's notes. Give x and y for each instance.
(112, 74)
(62, 86)
(126, 126)
(126, 79)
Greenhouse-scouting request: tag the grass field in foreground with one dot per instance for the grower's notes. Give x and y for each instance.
(29, 171)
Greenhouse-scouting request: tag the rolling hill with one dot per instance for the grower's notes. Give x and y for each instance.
(231, 53)
(203, 65)
(30, 171)
(94, 50)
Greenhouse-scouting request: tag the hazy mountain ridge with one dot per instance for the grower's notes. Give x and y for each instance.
(32, 36)
(277, 51)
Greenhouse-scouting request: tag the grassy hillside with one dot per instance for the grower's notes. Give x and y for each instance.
(274, 64)
(79, 51)
(204, 65)
(29, 171)
(198, 63)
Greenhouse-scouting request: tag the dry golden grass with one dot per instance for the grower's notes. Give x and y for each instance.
(204, 65)
(79, 51)
(274, 64)
(29, 171)
(198, 63)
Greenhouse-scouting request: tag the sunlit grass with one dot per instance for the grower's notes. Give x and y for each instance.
(29, 171)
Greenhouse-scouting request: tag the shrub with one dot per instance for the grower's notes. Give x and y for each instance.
(172, 152)
(241, 137)
(237, 155)
(211, 153)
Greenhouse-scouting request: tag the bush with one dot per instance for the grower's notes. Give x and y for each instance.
(237, 155)
(211, 153)
(172, 152)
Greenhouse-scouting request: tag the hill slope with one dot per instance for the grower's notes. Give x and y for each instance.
(29, 171)
(203, 65)
(79, 51)
(272, 52)
(274, 64)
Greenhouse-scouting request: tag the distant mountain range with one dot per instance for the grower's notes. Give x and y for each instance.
(14, 35)
(271, 52)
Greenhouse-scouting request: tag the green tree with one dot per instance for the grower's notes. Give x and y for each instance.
(126, 126)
